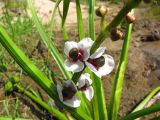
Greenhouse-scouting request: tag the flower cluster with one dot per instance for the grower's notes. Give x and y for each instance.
(78, 56)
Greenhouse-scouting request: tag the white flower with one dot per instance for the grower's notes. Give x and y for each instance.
(84, 84)
(77, 53)
(67, 92)
(99, 63)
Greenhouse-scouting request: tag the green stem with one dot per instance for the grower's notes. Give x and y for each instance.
(143, 112)
(103, 23)
(79, 20)
(119, 77)
(53, 111)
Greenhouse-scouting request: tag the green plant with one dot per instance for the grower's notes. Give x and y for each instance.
(74, 95)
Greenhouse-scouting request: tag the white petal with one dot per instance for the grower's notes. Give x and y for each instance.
(108, 66)
(86, 54)
(74, 102)
(85, 43)
(83, 79)
(98, 53)
(68, 46)
(74, 66)
(89, 93)
(59, 91)
(105, 69)
(91, 67)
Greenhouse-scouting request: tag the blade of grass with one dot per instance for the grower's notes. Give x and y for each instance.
(6, 108)
(16, 107)
(36, 74)
(50, 45)
(143, 112)
(10, 118)
(79, 20)
(119, 77)
(52, 110)
(98, 102)
(147, 99)
(91, 19)
(65, 10)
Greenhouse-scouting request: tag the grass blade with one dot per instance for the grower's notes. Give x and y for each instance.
(119, 77)
(65, 10)
(50, 45)
(6, 108)
(52, 110)
(147, 99)
(79, 20)
(143, 112)
(91, 19)
(98, 103)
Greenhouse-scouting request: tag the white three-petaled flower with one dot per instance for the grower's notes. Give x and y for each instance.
(99, 63)
(84, 85)
(67, 92)
(77, 54)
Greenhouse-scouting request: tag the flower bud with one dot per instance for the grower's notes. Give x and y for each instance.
(101, 11)
(116, 34)
(130, 18)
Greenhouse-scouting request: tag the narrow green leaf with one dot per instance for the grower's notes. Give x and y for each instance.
(79, 20)
(147, 99)
(119, 77)
(50, 45)
(98, 103)
(65, 10)
(143, 112)
(54, 12)
(10, 118)
(91, 4)
(52, 110)
(6, 108)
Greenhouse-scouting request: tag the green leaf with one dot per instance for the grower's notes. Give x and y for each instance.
(98, 102)
(91, 12)
(65, 10)
(119, 77)
(79, 20)
(147, 99)
(143, 112)
(50, 45)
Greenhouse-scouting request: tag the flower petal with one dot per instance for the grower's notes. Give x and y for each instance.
(73, 66)
(89, 93)
(59, 91)
(68, 46)
(85, 43)
(70, 83)
(82, 81)
(98, 53)
(105, 69)
(74, 102)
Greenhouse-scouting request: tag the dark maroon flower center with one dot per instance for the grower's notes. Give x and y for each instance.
(68, 92)
(98, 62)
(76, 54)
